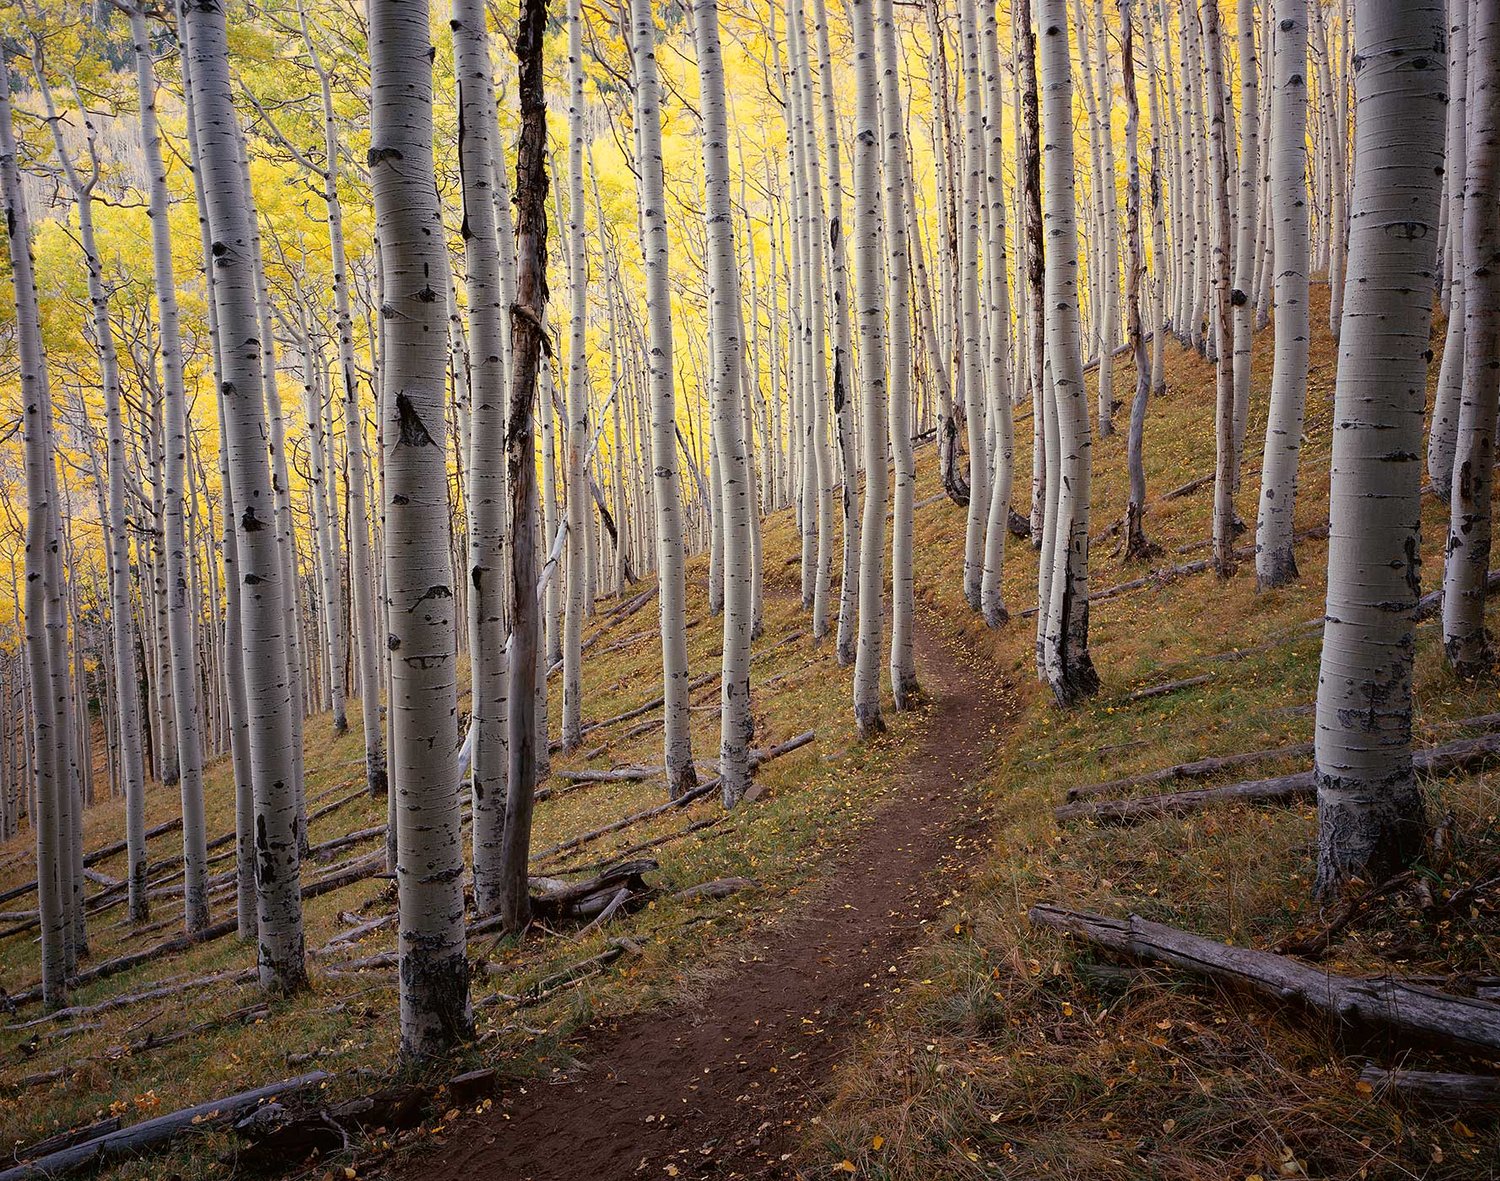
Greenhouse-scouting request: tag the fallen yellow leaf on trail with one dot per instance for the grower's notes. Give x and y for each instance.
(844, 1166)
(879, 1142)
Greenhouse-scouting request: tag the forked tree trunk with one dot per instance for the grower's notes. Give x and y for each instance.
(418, 563)
(1370, 810)
(274, 756)
(1275, 562)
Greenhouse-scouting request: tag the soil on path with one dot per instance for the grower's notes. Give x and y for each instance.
(724, 1088)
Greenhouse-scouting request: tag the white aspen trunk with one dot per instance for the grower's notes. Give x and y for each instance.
(997, 275)
(897, 180)
(677, 738)
(419, 574)
(1242, 298)
(274, 756)
(1029, 182)
(44, 620)
(1370, 809)
(724, 301)
(972, 369)
(1275, 561)
(1442, 438)
(1069, 669)
(1469, 523)
(552, 648)
(1109, 245)
(577, 417)
(843, 353)
(870, 309)
(1136, 545)
(1334, 124)
(480, 159)
(184, 670)
(1226, 462)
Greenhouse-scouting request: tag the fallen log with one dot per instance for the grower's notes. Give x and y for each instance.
(1390, 1005)
(1204, 768)
(1190, 487)
(1450, 757)
(621, 897)
(653, 843)
(1166, 687)
(152, 1134)
(68, 1138)
(722, 888)
(275, 1136)
(1446, 1092)
(632, 774)
(552, 898)
(231, 976)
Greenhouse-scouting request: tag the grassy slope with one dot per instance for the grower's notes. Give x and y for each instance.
(1024, 1055)
(816, 798)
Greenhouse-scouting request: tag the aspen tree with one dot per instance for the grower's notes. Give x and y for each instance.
(870, 312)
(1064, 613)
(899, 392)
(1136, 545)
(479, 160)
(724, 301)
(1242, 297)
(1275, 561)
(184, 670)
(418, 562)
(528, 339)
(666, 487)
(44, 620)
(274, 756)
(1370, 808)
(1226, 461)
(577, 416)
(1469, 523)
(1029, 182)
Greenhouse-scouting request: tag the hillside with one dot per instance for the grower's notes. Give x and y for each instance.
(879, 958)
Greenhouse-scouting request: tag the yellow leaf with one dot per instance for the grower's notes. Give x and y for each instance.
(845, 1166)
(879, 1142)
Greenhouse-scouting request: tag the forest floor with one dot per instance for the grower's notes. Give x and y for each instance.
(992, 1049)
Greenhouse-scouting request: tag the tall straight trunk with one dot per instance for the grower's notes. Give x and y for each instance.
(1029, 182)
(899, 390)
(843, 353)
(972, 370)
(1136, 545)
(1370, 809)
(1335, 123)
(274, 756)
(1226, 462)
(418, 564)
(724, 301)
(479, 160)
(527, 336)
(1442, 438)
(184, 665)
(1275, 561)
(577, 416)
(126, 688)
(870, 310)
(997, 304)
(1469, 523)
(1243, 296)
(1109, 246)
(1065, 654)
(44, 620)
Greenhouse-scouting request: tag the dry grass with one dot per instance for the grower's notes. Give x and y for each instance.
(1025, 1055)
(816, 798)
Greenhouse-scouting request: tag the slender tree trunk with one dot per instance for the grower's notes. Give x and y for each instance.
(1275, 561)
(1468, 552)
(1242, 298)
(274, 756)
(1136, 546)
(1370, 809)
(418, 563)
(972, 368)
(1068, 666)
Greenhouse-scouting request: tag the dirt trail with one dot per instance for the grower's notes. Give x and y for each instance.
(723, 1089)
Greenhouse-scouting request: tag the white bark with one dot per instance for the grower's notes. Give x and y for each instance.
(1275, 562)
(418, 563)
(1370, 810)
(1243, 296)
(577, 417)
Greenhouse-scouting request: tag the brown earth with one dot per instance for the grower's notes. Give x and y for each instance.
(725, 1088)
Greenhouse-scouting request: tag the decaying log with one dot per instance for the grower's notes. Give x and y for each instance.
(1190, 487)
(615, 904)
(633, 774)
(1203, 768)
(551, 898)
(1462, 755)
(275, 1136)
(1166, 687)
(641, 847)
(1393, 1006)
(151, 1134)
(230, 976)
(67, 1139)
(1446, 1092)
(722, 888)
